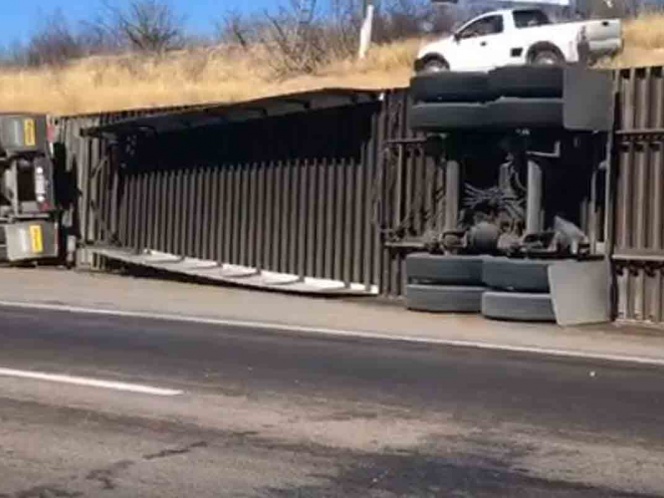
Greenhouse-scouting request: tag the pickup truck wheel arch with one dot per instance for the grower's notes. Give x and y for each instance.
(545, 48)
(426, 64)
(451, 87)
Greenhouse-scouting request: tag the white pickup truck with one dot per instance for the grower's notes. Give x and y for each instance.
(519, 36)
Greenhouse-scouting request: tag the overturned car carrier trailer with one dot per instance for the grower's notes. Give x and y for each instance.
(28, 214)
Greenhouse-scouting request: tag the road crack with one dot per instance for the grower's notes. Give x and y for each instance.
(107, 476)
(176, 451)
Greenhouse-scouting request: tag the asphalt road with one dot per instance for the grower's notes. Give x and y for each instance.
(280, 414)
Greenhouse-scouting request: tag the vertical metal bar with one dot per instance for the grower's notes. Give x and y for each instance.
(360, 215)
(149, 215)
(261, 239)
(215, 214)
(312, 219)
(629, 295)
(452, 186)
(322, 204)
(177, 237)
(329, 218)
(270, 187)
(641, 201)
(275, 233)
(206, 208)
(222, 231)
(171, 207)
(245, 202)
(236, 213)
(302, 215)
(338, 256)
(228, 214)
(252, 215)
(656, 193)
(199, 203)
(295, 208)
(659, 304)
(534, 198)
(284, 227)
(350, 220)
(377, 175)
(625, 197)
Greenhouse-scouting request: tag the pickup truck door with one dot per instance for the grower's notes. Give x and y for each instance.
(480, 45)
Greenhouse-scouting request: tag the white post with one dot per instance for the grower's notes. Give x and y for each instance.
(365, 32)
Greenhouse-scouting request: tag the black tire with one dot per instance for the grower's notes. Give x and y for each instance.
(424, 268)
(438, 117)
(520, 275)
(526, 113)
(549, 56)
(451, 87)
(431, 65)
(444, 299)
(518, 307)
(527, 81)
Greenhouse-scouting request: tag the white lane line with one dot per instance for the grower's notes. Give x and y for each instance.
(357, 334)
(84, 381)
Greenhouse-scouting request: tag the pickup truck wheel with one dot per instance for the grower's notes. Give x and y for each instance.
(444, 299)
(425, 268)
(437, 117)
(547, 57)
(434, 65)
(518, 307)
(526, 113)
(527, 81)
(451, 87)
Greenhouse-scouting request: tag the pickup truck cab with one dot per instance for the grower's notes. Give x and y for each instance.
(519, 36)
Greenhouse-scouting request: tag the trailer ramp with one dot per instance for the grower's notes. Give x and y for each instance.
(233, 274)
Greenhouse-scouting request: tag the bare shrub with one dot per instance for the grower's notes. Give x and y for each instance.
(54, 43)
(144, 25)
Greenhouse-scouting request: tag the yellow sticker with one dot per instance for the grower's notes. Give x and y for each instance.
(29, 132)
(37, 239)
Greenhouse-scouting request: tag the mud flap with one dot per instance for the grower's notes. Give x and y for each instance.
(31, 240)
(580, 291)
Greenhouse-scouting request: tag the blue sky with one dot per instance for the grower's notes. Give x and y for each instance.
(20, 16)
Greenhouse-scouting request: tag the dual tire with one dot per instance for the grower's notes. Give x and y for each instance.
(499, 288)
(507, 97)
(519, 290)
(444, 284)
(510, 81)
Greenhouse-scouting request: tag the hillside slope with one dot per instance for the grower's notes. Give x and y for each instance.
(226, 74)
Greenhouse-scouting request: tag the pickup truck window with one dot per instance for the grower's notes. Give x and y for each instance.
(491, 25)
(530, 18)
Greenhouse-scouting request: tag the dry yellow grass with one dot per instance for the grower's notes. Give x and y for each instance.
(216, 75)
(644, 42)
(225, 74)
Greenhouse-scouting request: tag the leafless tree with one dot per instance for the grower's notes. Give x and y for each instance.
(54, 43)
(144, 25)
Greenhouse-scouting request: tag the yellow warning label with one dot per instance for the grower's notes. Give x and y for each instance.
(29, 132)
(37, 239)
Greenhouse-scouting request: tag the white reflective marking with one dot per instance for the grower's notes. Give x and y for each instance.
(276, 327)
(86, 382)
